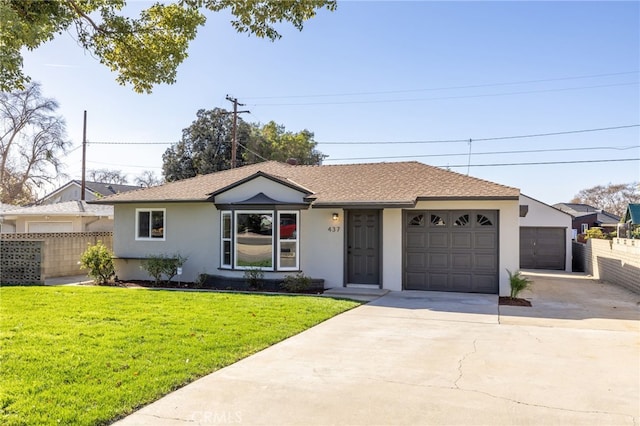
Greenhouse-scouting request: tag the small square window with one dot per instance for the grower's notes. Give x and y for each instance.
(150, 224)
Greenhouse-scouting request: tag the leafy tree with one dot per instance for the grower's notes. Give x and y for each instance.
(148, 179)
(273, 142)
(108, 176)
(32, 141)
(205, 146)
(612, 198)
(145, 50)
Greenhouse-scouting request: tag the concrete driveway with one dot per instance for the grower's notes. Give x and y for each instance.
(426, 358)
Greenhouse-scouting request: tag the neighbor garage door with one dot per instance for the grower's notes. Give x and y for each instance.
(453, 250)
(542, 248)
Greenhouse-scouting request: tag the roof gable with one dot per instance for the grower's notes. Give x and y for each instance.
(632, 214)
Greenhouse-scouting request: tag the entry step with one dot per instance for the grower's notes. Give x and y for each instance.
(365, 294)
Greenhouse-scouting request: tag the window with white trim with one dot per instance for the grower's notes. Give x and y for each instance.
(584, 227)
(150, 224)
(265, 239)
(225, 245)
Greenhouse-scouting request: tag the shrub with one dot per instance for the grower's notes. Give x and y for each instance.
(296, 283)
(518, 283)
(98, 259)
(159, 265)
(595, 233)
(253, 277)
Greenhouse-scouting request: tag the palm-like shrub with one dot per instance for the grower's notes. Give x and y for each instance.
(518, 283)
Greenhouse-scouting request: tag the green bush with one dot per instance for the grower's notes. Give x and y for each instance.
(159, 265)
(253, 277)
(518, 283)
(595, 233)
(98, 259)
(296, 283)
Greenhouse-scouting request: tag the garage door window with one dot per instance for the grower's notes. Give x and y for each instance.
(462, 220)
(483, 220)
(437, 220)
(417, 221)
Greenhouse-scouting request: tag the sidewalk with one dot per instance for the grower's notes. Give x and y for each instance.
(71, 280)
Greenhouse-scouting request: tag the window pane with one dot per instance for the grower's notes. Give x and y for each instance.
(157, 224)
(226, 255)
(226, 225)
(288, 254)
(288, 225)
(143, 224)
(254, 239)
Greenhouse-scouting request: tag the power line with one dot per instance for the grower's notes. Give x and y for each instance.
(473, 86)
(540, 163)
(460, 154)
(466, 140)
(486, 95)
(131, 143)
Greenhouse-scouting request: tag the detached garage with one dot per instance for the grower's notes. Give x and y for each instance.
(545, 236)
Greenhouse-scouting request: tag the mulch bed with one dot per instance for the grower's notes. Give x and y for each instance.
(186, 285)
(513, 301)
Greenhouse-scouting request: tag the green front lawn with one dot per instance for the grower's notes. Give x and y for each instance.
(89, 355)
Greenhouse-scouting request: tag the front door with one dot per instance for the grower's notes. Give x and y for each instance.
(363, 247)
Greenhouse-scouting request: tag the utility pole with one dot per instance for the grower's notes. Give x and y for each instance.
(84, 156)
(234, 143)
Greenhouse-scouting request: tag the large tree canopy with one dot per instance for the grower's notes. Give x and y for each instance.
(612, 198)
(32, 142)
(205, 146)
(146, 50)
(273, 142)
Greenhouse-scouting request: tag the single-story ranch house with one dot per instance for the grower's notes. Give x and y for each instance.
(398, 226)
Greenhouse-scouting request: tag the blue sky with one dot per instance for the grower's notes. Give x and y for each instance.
(391, 72)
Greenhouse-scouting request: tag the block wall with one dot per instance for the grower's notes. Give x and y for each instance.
(61, 251)
(616, 261)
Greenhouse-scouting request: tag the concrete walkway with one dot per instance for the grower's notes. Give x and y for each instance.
(71, 280)
(426, 358)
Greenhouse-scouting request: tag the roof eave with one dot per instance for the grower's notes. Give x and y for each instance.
(158, 201)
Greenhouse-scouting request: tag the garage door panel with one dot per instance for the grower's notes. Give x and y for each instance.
(461, 240)
(460, 254)
(416, 261)
(486, 262)
(416, 281)
(437, 281)
(462, 261)
(415, 240)
(438, 261)
(461, 280)
(438, 239)
(484, 283)
(485, 240)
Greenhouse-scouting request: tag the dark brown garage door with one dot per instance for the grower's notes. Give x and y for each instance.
(453, 250)
(542, 248)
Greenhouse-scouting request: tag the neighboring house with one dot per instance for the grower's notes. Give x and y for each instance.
(71, 216)
(587, 217)
(630, 226)
(390, 225)
(8, 226)
(545, 236)
(72, 190)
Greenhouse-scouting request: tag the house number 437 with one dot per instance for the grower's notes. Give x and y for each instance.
(334, 229)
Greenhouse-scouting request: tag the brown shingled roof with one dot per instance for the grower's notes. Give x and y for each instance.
(401, 183)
